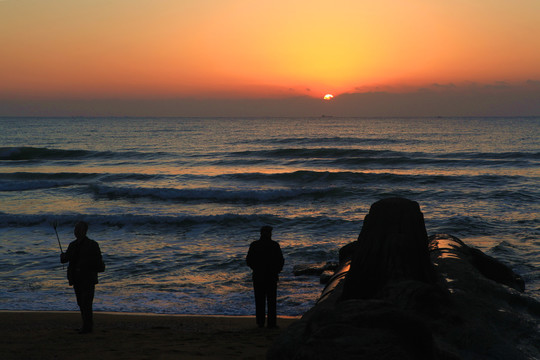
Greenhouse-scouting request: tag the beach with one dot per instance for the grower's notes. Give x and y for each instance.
(53, 335)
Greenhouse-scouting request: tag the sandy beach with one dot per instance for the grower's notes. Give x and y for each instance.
(52, 335)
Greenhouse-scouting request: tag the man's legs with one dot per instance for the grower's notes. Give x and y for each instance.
(260, 302)
(85, 297)
(271, 293)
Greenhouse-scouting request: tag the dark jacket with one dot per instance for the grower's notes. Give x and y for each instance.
(265, 259)
(85, 261)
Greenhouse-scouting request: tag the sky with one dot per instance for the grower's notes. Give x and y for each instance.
(269, 57)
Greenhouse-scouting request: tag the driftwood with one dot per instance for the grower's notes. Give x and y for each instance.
(324, 270)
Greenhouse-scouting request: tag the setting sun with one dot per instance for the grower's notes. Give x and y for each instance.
(328, 97)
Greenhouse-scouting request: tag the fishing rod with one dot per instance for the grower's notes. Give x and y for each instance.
(54, 225)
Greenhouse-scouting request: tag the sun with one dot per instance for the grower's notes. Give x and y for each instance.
(328, 97)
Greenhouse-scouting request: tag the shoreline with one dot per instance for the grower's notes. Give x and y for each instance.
(128, 313)
(51, 335)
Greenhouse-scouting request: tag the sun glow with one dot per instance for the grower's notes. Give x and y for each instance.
(199, 49)
(328, 97)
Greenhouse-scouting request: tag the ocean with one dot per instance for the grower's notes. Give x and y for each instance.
(175, 202)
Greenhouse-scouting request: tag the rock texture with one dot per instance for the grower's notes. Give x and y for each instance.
(392, 246)
(398, 294)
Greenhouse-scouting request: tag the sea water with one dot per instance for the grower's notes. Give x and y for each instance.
(175, 202)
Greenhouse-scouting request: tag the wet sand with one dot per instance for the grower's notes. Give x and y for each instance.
(52, 335)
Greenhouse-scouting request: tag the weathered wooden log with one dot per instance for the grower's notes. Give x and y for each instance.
(314, 269)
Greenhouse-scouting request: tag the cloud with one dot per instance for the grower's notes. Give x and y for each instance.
(499, 98)
(498, 85)
(534, 83)
(465, 99)
(444, 86)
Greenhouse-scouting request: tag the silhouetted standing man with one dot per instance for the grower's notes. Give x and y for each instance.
(85, 261)
(266, 260)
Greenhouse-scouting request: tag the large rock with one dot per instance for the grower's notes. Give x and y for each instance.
(435, 299)
(392, 246)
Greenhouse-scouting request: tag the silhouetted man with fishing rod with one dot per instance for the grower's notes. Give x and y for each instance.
(85, 261)
(266, 260)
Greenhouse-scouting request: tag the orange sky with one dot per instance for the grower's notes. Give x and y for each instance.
(263, 48)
